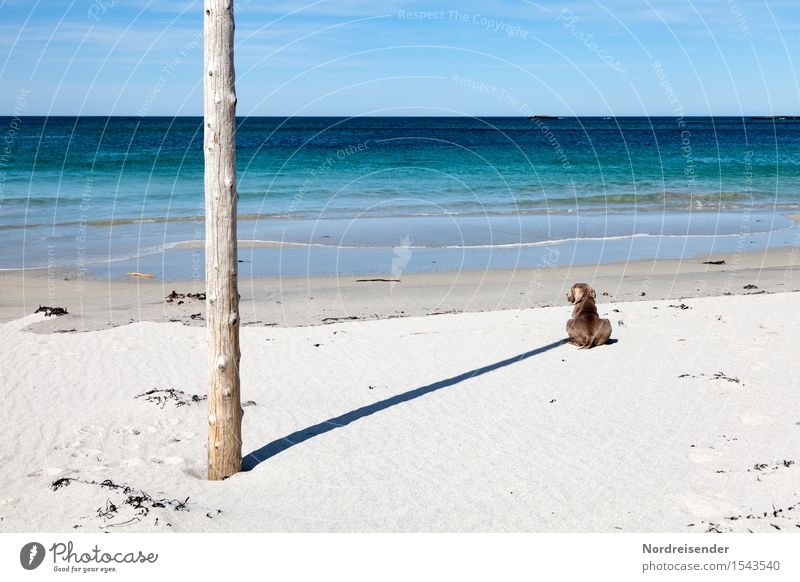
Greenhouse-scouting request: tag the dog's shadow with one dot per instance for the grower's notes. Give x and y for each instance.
(278, 446)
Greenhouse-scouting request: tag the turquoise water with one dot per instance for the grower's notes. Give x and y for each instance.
(353, 195)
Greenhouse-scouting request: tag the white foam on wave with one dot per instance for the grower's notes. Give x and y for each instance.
(277, 244)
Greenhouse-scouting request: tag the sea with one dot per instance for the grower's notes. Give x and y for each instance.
(327, 196)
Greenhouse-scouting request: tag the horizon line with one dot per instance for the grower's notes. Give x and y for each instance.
(355, 116)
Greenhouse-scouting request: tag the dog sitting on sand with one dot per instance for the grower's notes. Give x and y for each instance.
(586, 329)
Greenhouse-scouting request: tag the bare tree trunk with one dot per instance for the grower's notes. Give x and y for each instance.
(222, 303)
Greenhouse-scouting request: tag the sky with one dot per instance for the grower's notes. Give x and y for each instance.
(380, 57)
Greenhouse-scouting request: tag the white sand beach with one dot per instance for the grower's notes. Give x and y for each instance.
(482, 421)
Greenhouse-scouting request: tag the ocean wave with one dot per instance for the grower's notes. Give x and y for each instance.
(616, 204)
(277, 244)
(148, 220)
(128, 221)
(553, 242)
(26, 201)
(636, 200)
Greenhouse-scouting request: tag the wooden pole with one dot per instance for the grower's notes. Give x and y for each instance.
(222, 303)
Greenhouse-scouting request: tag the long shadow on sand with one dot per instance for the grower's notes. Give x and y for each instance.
(280, 445)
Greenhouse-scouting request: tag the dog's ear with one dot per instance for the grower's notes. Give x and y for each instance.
(576, 293)
(594, 294)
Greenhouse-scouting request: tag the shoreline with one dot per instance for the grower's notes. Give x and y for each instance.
(787, 210)
(330, 247)
(96, 303)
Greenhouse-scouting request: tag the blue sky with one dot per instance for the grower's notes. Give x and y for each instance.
(379, 57)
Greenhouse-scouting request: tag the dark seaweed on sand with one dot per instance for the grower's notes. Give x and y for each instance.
(715, 376)
(60, 482)
(175, 295)
(161, 396)
(723, 376)
(776, 513)
(48, 311)
(335, 319)
(140, 501)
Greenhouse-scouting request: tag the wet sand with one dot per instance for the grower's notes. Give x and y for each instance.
(98, 304)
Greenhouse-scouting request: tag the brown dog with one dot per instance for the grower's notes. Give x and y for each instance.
(586, 329)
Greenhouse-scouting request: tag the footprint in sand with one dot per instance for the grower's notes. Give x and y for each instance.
(131, 430)
(760, 366)
(86, 453)
(133, 462)
(125, 463)
(181, 437)
(49, 471)
(701, 456)
(167, 460)
(706, 507)
(195, 472)
(754, 419)
(92, 430)
(72, 445)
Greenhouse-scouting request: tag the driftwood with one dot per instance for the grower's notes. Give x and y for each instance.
(222, 303)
